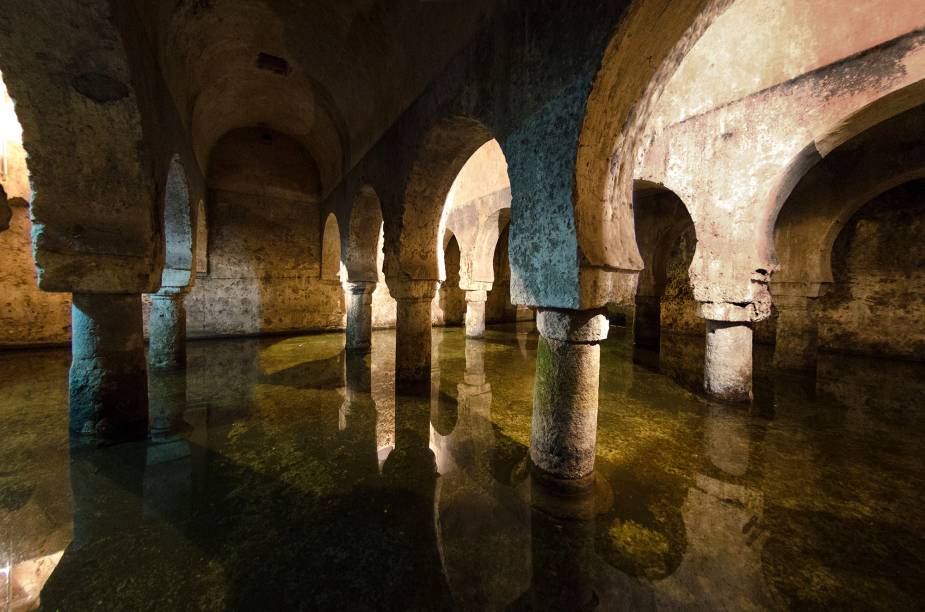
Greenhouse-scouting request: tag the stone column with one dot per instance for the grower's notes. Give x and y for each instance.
(475, 313)
(360, 315)
(797, 332)
(412, 330)
(108, 383)
(167, 328)
(727, 368)
(565, 393)
(647, 322)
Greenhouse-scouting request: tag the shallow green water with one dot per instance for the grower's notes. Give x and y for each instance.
(302, 481)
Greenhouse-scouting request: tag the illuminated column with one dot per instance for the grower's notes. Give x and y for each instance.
(475, 313)
(647, 321)
(565, 393)
(412, 330)
(360, 315)
(727, 368)
(167, 328)
(108, 383)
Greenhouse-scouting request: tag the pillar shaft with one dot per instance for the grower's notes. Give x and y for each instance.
(360, 315)
(108, 385)
(797, 333)
(412, 331)
(565, 394)
(727, 367)
(167, 328)
(475, 313)
(647, 322)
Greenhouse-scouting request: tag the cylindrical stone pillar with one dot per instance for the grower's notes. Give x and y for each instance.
(360, 315)
(727, 368)
(167, 328)
(797, 333)
(412, 331)
(647, 321)
(564, 430)
(108, 382)
(475, 313)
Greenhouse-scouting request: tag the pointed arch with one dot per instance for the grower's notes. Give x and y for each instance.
(363, 236)
(441, 155)
(331, 251)
(178, 228)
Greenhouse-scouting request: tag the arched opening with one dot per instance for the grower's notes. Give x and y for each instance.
(666, 239)
(363, 236)
(667, 328)
(498, 307)
(858, 201)
(449, 305)
(202, 240)
(476, 211)
(875, 305)
(178, 228)
(332, 268)
(261, 183)
(435, 184)
(365, 255)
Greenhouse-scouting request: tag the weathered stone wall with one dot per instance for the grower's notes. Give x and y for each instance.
(264, 270)
(28, 316)
(877, 303)
(679, 308)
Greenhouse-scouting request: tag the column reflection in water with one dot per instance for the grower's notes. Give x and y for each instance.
(357, 421)
(723, 520)
(469, 444)
(410, 477)
(562, 528)
(107, 485)
(175, 459)
(167, 402)
(483, 521)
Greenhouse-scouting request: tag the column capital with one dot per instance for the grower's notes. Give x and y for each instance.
(413, 289)
(730, 313)
(170, 293)
(573, 326)
(476, 296)
(475, 285)
(360, 287)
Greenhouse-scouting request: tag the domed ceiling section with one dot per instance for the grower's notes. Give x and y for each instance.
(332, 75)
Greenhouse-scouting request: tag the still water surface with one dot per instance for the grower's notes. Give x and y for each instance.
(303, 481)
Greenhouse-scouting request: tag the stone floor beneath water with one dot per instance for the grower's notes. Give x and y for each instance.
(291, 488)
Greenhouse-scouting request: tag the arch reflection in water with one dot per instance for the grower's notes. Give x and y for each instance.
(274, 481)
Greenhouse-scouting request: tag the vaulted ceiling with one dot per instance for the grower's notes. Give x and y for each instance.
(332, 74)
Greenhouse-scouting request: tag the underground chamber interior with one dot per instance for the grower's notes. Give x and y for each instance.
(458, 307)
